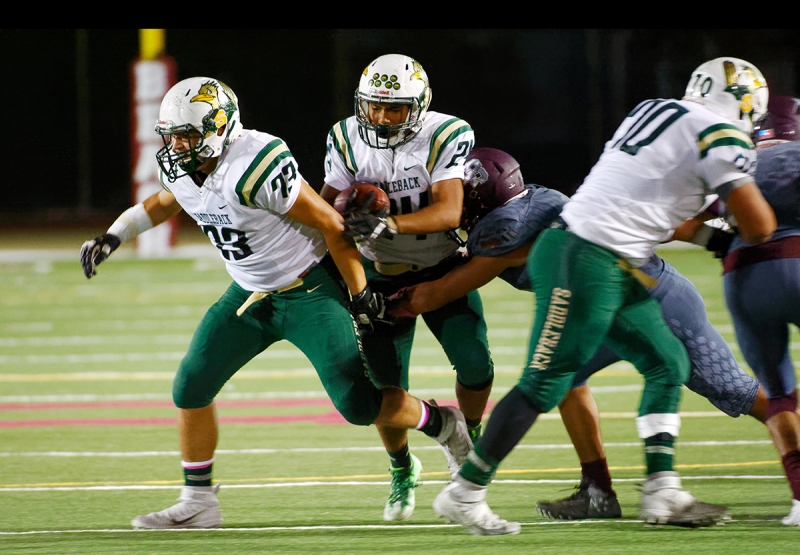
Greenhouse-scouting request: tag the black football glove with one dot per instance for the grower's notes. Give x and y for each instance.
(719, 242)
(368, 307)
(96, 250)
(352, 203)
(362, 224)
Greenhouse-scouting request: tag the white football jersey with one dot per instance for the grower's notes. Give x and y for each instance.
(437, 152)
(656, 172)
(241, 208)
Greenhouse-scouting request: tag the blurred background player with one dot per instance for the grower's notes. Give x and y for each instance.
(274, 233)
(762, 284)
(417, 156)
(503, 216)
(656, 171)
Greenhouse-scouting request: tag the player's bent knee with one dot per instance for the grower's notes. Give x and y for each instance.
(784, 403)
(360, 407)
(358, 415)
(191, 394)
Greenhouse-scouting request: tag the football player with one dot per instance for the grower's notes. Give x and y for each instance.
(762, 287)
(655, 172)
(291, 266)
(417, 156)
(503, 217)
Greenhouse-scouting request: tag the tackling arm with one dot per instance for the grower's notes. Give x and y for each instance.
(480, 270)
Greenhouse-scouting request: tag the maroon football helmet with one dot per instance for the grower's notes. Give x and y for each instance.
(491, 178)
(781, 124)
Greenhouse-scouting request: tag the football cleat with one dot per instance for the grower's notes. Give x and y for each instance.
(587, 502)
(196, 508)
(464, 503)
(401, 502)
(454, 437)
(664, 502)
(793, 518)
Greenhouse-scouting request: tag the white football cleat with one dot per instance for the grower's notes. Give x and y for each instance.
(464, 503)
(665, 502)
(793, 518)
(197, 507)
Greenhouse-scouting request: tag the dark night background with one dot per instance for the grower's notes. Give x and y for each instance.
(549, 97)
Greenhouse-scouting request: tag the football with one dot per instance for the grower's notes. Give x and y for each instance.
(364, 189)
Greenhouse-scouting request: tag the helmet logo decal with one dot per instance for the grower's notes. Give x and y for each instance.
(218, 116)
(730, 73)
(419, 73)
(746, 105)
(384, 81)
(742, 92)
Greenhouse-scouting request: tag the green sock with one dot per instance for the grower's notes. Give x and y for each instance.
(197, 474)
(659, 453)
(479, 468)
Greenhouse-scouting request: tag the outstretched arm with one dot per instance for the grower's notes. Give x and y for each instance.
(154, 210)
(480, 270)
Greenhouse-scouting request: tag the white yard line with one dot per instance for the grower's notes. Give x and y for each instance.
(535, 447)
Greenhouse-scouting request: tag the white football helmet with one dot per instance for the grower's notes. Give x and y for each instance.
(392, 79)
(200, 104)
(733, 88)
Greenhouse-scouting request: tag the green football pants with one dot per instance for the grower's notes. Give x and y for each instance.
(312, 316)
(585, 296)
(459, 327)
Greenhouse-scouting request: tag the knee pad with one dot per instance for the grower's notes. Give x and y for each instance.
(784, 403)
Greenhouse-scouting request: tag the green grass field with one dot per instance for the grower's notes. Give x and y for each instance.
(88, 437)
